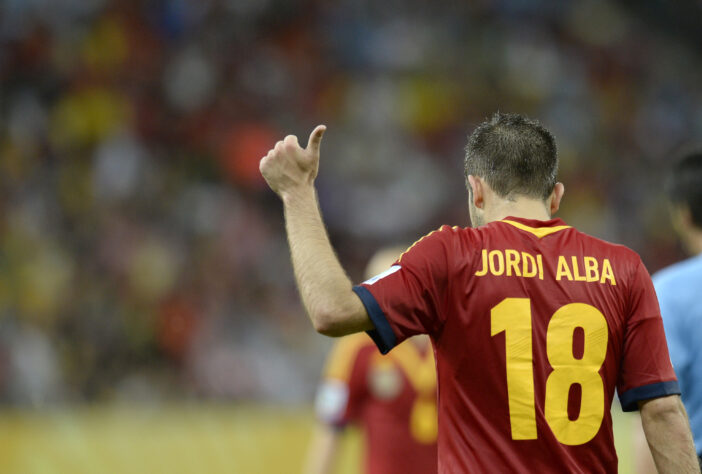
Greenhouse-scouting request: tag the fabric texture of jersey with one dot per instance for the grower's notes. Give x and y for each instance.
(534, 325)
(391, 398)
(678, 288)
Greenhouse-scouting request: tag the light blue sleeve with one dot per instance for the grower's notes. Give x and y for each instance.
(673, 323)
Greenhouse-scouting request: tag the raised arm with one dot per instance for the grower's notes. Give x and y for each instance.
(332, 306)
(668, 434)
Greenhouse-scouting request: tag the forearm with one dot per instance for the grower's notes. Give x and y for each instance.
(325, 288)
(326, 291)
(668, 434)
(643, 461)
(322, 451)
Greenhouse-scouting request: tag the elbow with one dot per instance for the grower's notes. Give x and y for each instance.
(339, 316)
(321, 323)
(329, 323)
(324, 324)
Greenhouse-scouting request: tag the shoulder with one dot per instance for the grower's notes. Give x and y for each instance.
(685, 273)
(442, 252)
(438, 236)
(446, 239)
(625, 265)
(620, 251)
(431, 249)
(625, 260)
(345, 353)
(677, 286)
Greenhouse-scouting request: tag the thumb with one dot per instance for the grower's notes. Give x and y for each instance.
(315, 140)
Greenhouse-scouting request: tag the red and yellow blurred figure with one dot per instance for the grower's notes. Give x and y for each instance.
(391, 398)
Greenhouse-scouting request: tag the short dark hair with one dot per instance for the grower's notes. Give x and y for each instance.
(514, 154)
(684, 185)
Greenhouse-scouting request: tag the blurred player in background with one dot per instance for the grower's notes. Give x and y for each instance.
(679, 289)
(534, 323)
(391, 398)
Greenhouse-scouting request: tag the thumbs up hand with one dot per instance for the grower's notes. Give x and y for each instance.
(289, 167)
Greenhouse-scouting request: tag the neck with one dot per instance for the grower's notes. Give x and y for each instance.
(522, 207)
(694, 242)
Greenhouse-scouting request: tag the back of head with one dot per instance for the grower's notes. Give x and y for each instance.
(515, 155)
(684, 186)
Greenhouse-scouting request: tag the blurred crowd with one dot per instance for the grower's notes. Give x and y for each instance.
(142, 256)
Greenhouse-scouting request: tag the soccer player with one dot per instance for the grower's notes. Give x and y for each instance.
(533, 323)
(391, 398)
(679, 286)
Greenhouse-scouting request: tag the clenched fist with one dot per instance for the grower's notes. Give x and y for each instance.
(289, 167)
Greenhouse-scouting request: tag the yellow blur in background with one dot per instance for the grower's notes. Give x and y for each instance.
(172, 439)
(183, 439)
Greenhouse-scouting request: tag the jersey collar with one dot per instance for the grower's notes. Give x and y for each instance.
(536, 227)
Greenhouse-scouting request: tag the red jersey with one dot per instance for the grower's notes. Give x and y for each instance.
(392, 398)
(534, 325)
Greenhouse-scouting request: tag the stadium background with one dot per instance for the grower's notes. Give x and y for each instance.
(148, 316)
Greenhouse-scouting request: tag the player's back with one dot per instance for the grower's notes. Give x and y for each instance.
(534, 324)
(541, 327)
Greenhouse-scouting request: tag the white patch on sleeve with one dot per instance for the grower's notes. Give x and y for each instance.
(332, 399)
(379, 276)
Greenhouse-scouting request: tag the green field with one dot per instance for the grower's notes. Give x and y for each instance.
(178, 439)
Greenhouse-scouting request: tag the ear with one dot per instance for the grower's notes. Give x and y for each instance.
(555, 198)
(476, 185)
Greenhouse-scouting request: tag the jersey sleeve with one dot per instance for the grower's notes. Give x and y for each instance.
(341, 393)
(409, 297)
(646, 371)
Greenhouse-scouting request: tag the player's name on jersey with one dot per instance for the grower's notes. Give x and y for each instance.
(525, 265)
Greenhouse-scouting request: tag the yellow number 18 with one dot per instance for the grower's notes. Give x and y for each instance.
(513, 317)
